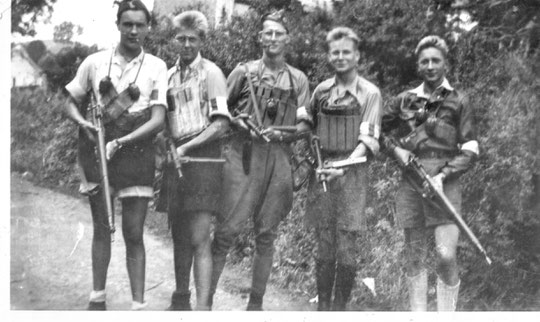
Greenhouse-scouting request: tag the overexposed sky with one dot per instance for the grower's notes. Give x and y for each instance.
(96, 17)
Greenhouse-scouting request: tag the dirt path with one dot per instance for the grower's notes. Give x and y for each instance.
(46, 275)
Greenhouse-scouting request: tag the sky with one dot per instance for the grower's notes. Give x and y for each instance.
(96, 17)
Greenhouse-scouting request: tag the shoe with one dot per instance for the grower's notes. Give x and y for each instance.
(180, 302)
(138, 306)
(97, 306)
(345, 275)
(255, 303)
(325, 275)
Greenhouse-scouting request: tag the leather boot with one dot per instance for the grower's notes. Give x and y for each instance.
(418, 291)
(325, 274)
(344, 283)
(447, 296)
(180, 302)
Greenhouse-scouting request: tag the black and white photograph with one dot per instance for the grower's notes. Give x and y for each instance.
(362, 157)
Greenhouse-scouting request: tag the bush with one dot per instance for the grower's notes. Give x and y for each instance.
(43, 142)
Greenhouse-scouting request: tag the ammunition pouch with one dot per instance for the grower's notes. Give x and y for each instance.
(338, 127)
(277, 106)
(185, 114)
(117, 106)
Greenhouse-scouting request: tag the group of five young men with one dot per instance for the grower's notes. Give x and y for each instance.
(212, 117)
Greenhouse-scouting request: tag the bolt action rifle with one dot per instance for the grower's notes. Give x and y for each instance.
(96, 111)
(424, 184)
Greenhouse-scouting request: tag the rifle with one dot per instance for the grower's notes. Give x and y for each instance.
(438, 199)
(97, 119)
(316, 144)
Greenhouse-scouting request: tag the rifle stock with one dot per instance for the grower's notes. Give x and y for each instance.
(97, 119)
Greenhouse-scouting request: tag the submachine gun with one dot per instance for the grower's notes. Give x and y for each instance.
(425, 185)
(96, 112)
(316, 146)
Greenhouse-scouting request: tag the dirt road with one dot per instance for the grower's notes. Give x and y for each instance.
(51, 271)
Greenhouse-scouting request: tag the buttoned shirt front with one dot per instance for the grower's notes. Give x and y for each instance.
(148, 72)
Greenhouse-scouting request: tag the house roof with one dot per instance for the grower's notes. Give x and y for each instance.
(21, 51)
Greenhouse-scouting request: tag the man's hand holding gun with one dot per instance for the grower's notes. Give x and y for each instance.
(431, 189)
(326, 170)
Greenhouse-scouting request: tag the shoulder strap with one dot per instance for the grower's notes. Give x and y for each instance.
(252, 95)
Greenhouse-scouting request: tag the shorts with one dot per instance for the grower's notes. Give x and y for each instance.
(200, 186)
(414, 211)
(131, 169)
(343, 205)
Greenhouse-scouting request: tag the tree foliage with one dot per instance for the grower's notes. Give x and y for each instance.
(25, 13)
(65, 31)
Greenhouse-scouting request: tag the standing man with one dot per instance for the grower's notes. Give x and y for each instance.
(132, 84)
(347, 112)
(197, 97)
(435, 122)
(257, 176)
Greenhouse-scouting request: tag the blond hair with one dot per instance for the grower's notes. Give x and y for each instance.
(192, 19)
(432, 41)
(339, 33)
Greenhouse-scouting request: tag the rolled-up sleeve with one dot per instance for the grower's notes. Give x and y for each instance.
(370, 127)
(217, 93)
(81, 84)
(159, 91)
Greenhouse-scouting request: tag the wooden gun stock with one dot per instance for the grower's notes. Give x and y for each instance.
(97, 119)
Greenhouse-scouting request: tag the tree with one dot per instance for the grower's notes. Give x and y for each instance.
(65, 31)
(24, 13)
(36, 49)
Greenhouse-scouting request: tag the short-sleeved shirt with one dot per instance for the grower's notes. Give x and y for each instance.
(205, 78)
(238, 88)
(151, 79)
(360, 92)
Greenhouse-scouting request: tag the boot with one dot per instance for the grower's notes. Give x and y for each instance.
(325, 274)
(180, 302)
(418, 291)
(344, 283)
(255, 302)
(447, 296)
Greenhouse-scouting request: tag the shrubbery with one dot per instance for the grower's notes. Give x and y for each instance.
(503, 84)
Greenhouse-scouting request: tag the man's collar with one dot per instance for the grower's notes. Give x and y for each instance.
(354, 84)
(117, 56)
(420, 92)
(194, 63)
